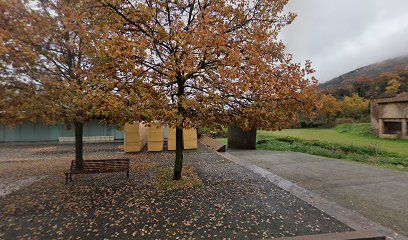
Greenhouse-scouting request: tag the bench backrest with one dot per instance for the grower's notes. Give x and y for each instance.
(90, 165)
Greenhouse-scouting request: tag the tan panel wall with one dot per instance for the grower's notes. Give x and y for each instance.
(189, 137)
(143, 131)
(393, 110)
(374, 112)
(135, 137)
(171, 139)
(155, 138)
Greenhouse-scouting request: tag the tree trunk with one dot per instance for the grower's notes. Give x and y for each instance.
(179, 153)
(78, 145)
(178, 165)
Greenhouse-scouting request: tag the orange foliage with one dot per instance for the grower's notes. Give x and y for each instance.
(355, 107)
(48, 54)
(204, 63)
(329, 108)
(393, 86)
(185, 63)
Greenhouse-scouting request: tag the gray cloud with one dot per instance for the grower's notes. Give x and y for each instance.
(341, 35)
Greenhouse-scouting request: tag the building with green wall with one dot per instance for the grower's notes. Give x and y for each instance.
(38, 132)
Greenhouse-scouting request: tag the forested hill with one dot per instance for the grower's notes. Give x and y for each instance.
(371, 71)
(377, 75)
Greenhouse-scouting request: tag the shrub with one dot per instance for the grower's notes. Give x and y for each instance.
(343, 120)
(220, 133)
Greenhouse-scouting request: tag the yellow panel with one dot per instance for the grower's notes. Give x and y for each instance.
(135, 137)
(132, 139)
(155, 133)
(155, 138)
(133, 147)
(132, 128)
(171, 139)
(190, 134)
(190, 144)
(189, 137)
(143, 130)
(155, 146)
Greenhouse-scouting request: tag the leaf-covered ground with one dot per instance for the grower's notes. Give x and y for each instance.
(232, 202)
(190, 179)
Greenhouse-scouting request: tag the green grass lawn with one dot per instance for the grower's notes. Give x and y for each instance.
(345, 134)
(346, 141)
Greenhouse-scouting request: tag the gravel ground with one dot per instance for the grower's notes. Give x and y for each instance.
(233, 203)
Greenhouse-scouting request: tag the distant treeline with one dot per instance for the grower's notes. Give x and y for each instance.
(332, 111)
(387, 84)
(348, 101)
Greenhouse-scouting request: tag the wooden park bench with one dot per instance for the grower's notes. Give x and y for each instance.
(98, 166)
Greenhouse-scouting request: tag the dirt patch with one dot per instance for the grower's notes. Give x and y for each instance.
(143, 166)
(189, 179)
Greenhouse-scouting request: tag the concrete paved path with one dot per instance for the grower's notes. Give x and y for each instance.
(377, 193)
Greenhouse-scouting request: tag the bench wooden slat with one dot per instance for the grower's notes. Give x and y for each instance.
(98, 169)
(103, 165)
(99, 166)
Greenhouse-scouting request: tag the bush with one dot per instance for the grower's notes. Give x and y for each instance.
(344, 120)
(220, 133)
(311, 124)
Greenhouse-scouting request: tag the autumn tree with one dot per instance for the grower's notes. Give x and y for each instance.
(363, 85)
(403, 80)
(48, 51)
(355, 107)
(206, 63)
(345, 89)
(393, 87)
(382, 83)
(3, 102)
(12, 97)
(387, 76)
(329, 107)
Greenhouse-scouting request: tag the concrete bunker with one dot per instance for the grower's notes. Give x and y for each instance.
(389, 117)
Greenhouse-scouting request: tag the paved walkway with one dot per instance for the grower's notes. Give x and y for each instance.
(233, 202)
(377, 193)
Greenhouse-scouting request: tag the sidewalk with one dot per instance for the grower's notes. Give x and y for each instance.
(377, 193)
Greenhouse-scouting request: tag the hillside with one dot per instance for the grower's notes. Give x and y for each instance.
(371, 71)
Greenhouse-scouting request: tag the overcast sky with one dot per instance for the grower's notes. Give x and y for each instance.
(341, 35)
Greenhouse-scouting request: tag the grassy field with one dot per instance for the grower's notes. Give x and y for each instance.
(346, 141)
(345, 134)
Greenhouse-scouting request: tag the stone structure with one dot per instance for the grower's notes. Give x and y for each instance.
(240, 139)
(389, 116)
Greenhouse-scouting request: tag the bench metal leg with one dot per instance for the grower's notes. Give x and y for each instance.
(70, 177)
(66, 178)
(128, 173)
